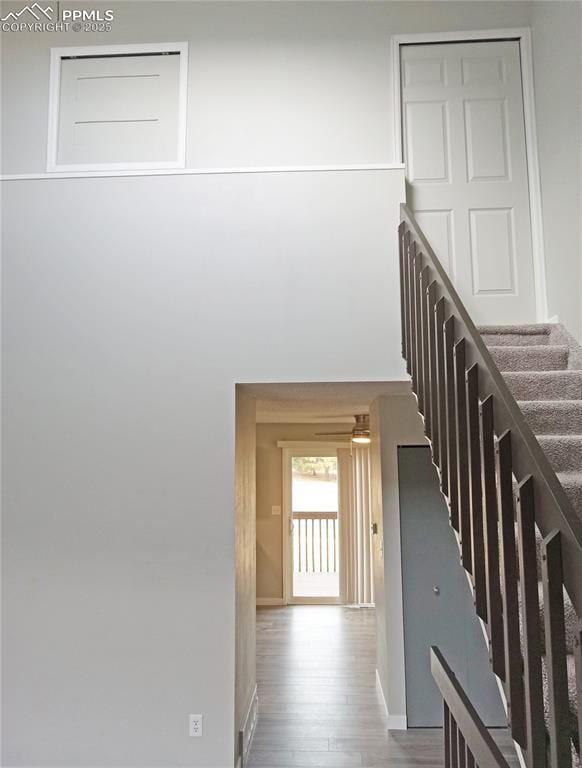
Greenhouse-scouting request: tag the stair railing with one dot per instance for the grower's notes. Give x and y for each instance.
(480, 443)
(468, 743)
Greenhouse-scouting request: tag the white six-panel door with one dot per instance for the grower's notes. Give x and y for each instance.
(466, 166)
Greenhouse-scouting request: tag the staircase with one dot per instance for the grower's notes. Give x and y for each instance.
(502, 409)
(542, 365)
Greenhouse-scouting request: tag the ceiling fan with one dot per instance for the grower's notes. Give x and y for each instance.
(360, 433)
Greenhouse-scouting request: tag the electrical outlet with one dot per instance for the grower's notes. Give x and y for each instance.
(196, 725)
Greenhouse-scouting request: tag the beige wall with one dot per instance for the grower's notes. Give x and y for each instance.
(270, 493)
(245, 501)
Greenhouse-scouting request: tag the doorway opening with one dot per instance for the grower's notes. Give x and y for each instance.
(311, 485)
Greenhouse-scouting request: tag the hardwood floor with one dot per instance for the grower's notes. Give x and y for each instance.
(318, 701)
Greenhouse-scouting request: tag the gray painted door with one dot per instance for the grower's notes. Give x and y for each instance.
(438, 606)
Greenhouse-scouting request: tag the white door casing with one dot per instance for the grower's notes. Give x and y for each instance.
(465, 153)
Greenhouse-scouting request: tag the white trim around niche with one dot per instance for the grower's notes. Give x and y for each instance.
(56, 56)
(524, 38)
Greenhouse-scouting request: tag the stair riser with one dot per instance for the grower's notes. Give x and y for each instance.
(548, 358)
(514, 339)
(565, 454)
(559, 385)
(553, 418)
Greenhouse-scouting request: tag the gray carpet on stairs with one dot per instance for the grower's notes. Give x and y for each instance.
(542, 365)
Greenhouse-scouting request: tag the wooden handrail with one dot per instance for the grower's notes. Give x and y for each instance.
(461, 719)
(553, 508)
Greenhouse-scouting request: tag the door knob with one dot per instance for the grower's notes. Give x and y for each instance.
(436, 590)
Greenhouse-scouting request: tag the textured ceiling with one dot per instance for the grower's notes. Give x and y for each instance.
(319, 402)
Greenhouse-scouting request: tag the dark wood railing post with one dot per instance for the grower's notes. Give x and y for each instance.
(555, 637)
(475, 491)
(447, 734)
(530, 608)
(412, 311)
(401, 229)
(491, 539)
(578, 669)
(425, 383)
(407, 318)
(433, 432)
(513, 659)
(462, 456)
(449, 342)
(418, 306)
(439, 315)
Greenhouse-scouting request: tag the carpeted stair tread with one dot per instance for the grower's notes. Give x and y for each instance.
(545, 385)
(563, 451)
(552, 417)
(515, 335)
(549, 357)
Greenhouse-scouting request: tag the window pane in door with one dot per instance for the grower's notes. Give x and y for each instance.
(314, 484)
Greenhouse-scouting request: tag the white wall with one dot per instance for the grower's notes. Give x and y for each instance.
(394, 421)
(132, 306)
(557, 47)
(270, 83)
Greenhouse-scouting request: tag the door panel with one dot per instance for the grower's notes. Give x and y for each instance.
(466, 165)
(445, 617)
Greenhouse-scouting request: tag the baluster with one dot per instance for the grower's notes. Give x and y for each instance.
(447, 733)
(475, 492)
(402, 288)
(454, 744)
(555, 636)
(327, 545)
(433, 428)
(462, 456)
(462, 751)
(425, 381)
(418, 304)
(491, 539)
(408, 299)
(299, 543)
(312, 545)
(530, 608)
(412, 294)
(441, 397)
(335, 543)
(578, 668)
(449, 340)
(513, 660)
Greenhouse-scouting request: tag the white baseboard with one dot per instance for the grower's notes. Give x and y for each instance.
(270, 601)
(395, 722)
(247, 731)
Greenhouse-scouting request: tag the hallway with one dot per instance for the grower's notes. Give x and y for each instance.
(318, 701)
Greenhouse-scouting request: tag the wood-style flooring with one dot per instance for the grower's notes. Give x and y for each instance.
(318, 701)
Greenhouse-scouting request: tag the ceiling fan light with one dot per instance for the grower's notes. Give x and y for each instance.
(361, 439)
